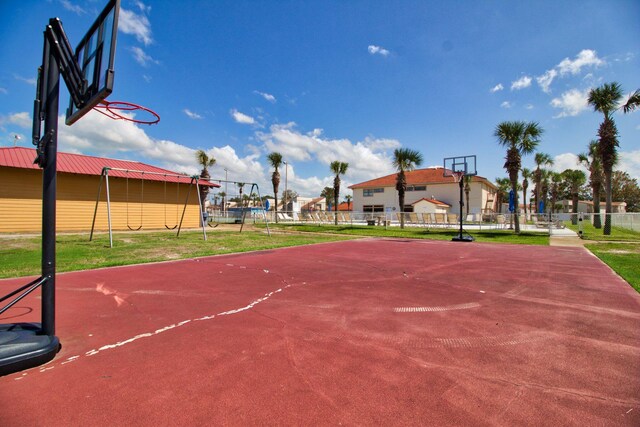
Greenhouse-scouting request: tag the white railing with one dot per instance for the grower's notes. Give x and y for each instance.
(535, 222)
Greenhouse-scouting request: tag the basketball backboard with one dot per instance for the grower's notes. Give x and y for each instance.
(465, 165)
(95, 56)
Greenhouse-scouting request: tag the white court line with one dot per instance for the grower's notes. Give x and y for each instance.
(118, 344)
(431, 309)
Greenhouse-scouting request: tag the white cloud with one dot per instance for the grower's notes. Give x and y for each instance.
(3, 91)
(586, 58)
(629, 161)
(143, 8)
(506, 104)
(266, 96)
(378, 50)
(529, 107)
(496, 88)
(30, 81)
(521, 83)
(546, 79)
(136, 25)
(242, 118)
(367, 159)
(191, 114)
(572, 103)
(22, 120)
(96, 134)
(565, 161)
(72, 7)
(141, 56)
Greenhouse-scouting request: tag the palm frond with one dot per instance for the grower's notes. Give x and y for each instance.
(633, 102)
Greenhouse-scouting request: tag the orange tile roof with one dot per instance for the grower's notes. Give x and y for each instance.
(415, 177)
(21, 157)
(434, 201)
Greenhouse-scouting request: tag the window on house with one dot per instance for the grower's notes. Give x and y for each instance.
(373, 208)
(368, 192)
(416, 188)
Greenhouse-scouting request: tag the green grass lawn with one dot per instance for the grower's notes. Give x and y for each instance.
(623, 258)
(620, 250)
(21, 256)
(618, 234)
(489, 235)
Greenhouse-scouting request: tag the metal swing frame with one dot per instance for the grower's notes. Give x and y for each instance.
(244, 210)
(104, 177)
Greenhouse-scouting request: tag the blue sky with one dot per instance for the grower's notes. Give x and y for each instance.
(321, 81)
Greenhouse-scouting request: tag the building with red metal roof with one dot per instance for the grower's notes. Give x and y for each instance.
(141, 195)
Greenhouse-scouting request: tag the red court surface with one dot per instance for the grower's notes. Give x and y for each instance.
(368, 332)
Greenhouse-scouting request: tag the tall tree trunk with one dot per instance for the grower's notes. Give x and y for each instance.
(609, 208)
(597, 223)
(275, 181)
(204, 191)
(574, 207)
(336, 196)
(524, 200)
(514, 188)
(401, 203)
(401, 186)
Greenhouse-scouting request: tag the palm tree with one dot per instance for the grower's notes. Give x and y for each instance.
(633, 102)
(223, 200)
(348, 198)
(206, 162)
(574, 179)
(240, 188)
(593, 162)
(503, 185)
(404, 160)
(556, 182)
(541, 159)
(605, 99)
(520, 138)
(327, 193)
(547, 176)
(275, 160)
(338, 168)
(526, 175)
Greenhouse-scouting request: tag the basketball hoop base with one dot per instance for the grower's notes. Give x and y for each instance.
(460, 238)
(24, 346)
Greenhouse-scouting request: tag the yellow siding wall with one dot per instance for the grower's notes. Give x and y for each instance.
(21, 203)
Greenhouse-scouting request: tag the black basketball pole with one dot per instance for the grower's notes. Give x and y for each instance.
(460, 237)
(49, 195)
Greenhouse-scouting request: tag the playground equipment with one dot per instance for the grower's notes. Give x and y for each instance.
(243, 209)
(104, 177)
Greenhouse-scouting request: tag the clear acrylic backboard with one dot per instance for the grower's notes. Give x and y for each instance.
(95, 55)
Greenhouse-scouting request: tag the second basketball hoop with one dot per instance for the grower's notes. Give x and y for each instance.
(459, 168)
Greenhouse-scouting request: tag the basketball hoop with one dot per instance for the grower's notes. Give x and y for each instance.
(121, 110)
(457, 176)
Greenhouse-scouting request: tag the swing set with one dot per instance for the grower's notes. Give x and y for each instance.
(104, 177)
(243, 206)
